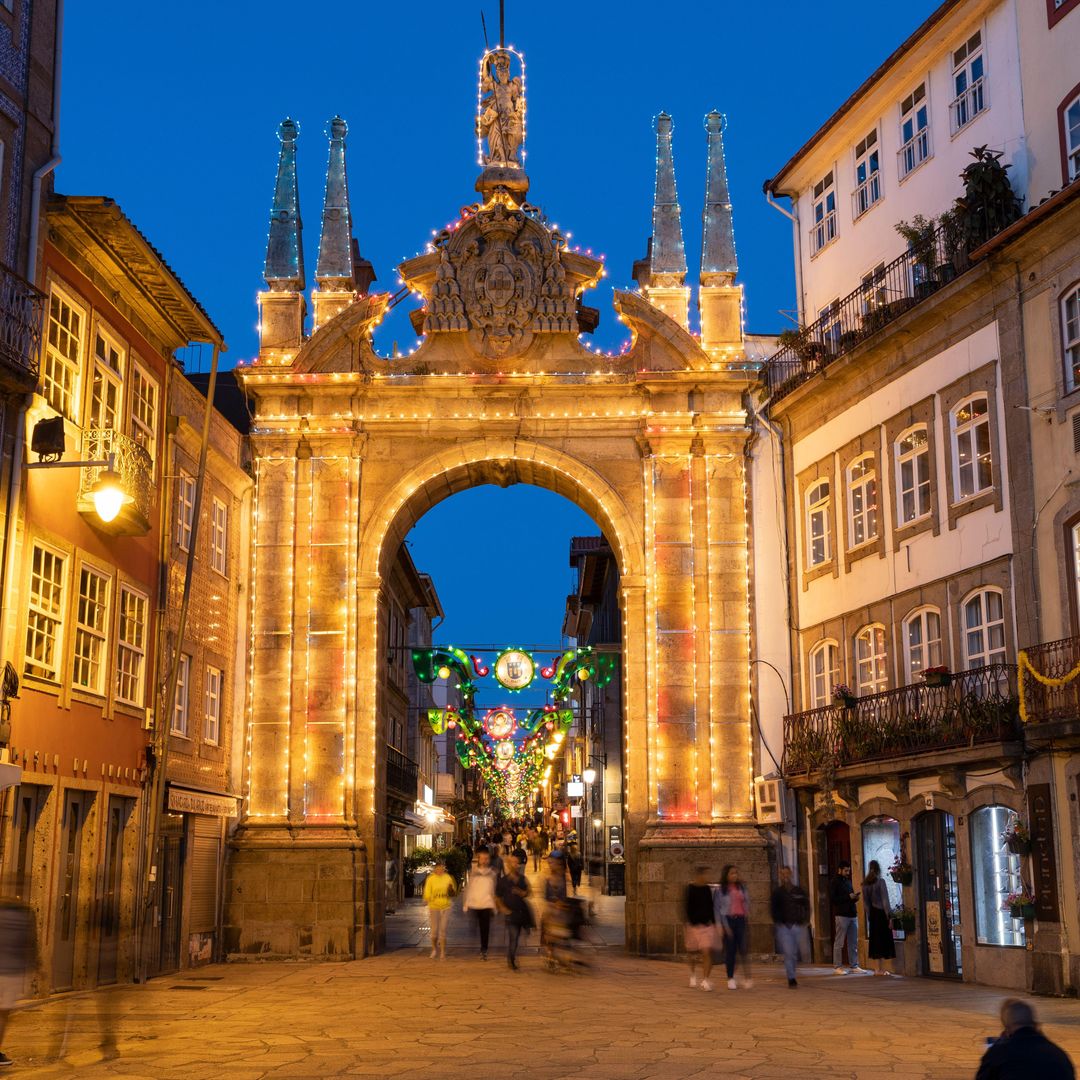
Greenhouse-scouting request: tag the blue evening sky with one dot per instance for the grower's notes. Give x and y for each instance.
(173, 109)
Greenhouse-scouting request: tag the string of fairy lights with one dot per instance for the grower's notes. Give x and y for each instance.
(511, 749)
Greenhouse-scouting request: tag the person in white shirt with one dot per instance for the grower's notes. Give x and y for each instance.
(479, 897)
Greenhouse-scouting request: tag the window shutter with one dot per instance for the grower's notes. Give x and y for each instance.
(205, 851)
(1076, 432)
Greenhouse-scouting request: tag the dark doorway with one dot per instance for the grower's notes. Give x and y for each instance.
(939, 901)
(109, 902)
(172, 869)
(76, 808)
(29, 802)
(837, 850)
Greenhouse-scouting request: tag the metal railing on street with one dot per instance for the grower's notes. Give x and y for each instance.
(969, 707)
(22, 313)
(1053, 659)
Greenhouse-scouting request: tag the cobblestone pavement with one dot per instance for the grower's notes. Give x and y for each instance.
(404, 1015)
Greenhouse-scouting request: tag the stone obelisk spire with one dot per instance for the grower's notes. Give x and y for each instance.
(666, 286)
(282, 308)
(334, 269)
(719, 298)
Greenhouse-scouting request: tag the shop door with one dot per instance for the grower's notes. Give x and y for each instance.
(172, 891)
(76, 807)
(939, 902)
(837, 850)
(109, 902)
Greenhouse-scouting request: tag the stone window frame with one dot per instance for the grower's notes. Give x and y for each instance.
(1069, 384)
(920, 414)
(994, 574)
(867, 443)
(822, 470)
(981, 381)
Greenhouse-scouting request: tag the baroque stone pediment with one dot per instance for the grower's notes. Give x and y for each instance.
(500, 276)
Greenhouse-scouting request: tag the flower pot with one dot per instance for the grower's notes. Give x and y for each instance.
(937, 678)
(1016, 910)
(1027, 911)
(907, 924)
(902, 877)
(1017, 845)
(847, 701)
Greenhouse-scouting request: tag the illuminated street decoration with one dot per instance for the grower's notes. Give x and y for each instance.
(515, 669)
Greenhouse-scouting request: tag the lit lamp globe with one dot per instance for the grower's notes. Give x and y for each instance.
(589, 775)
(109, 496)
(444, 672)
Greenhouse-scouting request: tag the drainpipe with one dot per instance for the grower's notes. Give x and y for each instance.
(793, 214)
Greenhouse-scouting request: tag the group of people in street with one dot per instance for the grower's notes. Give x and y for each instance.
(718, 919)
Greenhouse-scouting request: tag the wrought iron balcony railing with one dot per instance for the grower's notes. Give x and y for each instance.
(975, 706)
(136, 469)
(22, 312)
(1049, 703)
(401, 773)
(882, 297)
(967, 105)
(914, 152)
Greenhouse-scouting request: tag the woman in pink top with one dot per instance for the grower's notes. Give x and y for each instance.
(732, 914)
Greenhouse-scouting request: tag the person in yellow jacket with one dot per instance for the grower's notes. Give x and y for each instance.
(439, 892)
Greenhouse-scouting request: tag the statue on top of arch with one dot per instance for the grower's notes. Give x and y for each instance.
(501, 122)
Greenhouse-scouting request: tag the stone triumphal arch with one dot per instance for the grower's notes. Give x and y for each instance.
(350, 449)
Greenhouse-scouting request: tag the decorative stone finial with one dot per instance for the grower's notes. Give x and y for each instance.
(334, 270)
(668, 256)
(284, 270)
(718, 240)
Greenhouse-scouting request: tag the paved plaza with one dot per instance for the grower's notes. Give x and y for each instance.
(406, 1016)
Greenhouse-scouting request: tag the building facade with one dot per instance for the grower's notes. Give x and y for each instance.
(903, 408)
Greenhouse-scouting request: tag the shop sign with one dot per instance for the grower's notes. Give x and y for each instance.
(574, 789)
(935, 954)
(1043, 862)
(575, 810)
(196, 802)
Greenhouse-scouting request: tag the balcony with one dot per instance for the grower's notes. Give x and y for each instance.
(136, 471)
(401, 775)
(1056, 705)
(22, 311)
(973, 707)
(891, 291)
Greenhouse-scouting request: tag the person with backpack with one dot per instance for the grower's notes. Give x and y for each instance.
(790, 910)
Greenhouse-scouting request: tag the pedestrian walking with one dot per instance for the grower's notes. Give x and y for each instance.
(511, 890)
(790, 909)
(439, 892)
(846, 917)
(479, 898)
(536, 848)
(1022, 1051)
(18, 957)
(700, 931)
(878, 931)
(733, 914)
(574, 865)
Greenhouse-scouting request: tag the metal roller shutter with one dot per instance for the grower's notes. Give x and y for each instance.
(205, 852)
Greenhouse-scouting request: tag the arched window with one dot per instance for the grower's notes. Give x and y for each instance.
(984, 628)
(818, 539)
(922, 641)
(973, 470)
(1070, 336)
(862, 500)
(912, 475)
(823, 670)
(871, 676)
(995, 872)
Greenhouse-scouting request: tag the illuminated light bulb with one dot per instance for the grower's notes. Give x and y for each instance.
(109, 497)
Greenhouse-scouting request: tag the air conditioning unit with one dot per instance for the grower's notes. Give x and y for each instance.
(768, 801)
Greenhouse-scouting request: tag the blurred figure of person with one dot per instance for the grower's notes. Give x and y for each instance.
(467, 851)
(18, 958)
(700, 927)
(545, 841)
(733, 915)
(519, 853)
(554, 879)
(846, 916)
(391, 884)
(878, 931)
(439, 892)
(536, 848)
(512, 889)
(1022, 1051)
(574, 865)
(479, 898)
(790, 909)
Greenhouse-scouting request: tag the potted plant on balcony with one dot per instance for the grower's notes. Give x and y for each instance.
(844, 695)
(937, 676)
(901, 871)
(903, 918)
(921, 236)
(1016, 837)
(1020, 903)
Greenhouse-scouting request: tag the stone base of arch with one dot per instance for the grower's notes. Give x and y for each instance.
(664, 863)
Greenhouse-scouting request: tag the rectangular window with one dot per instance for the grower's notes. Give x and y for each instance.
(914, 131)
(830, 327)
(183, 691)
(823, 230)
(1071, 130)
(913, 475)
(131, 647)
(212, 706)
(91, 631)
(185, 509)
(996, 872)
(107, 389)
(44, 617)
(867, 174)
(862, 496)
(219, 536)
(873, 292)
(818, 544)
(144, 419)
(63, 354)
(969, 83)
